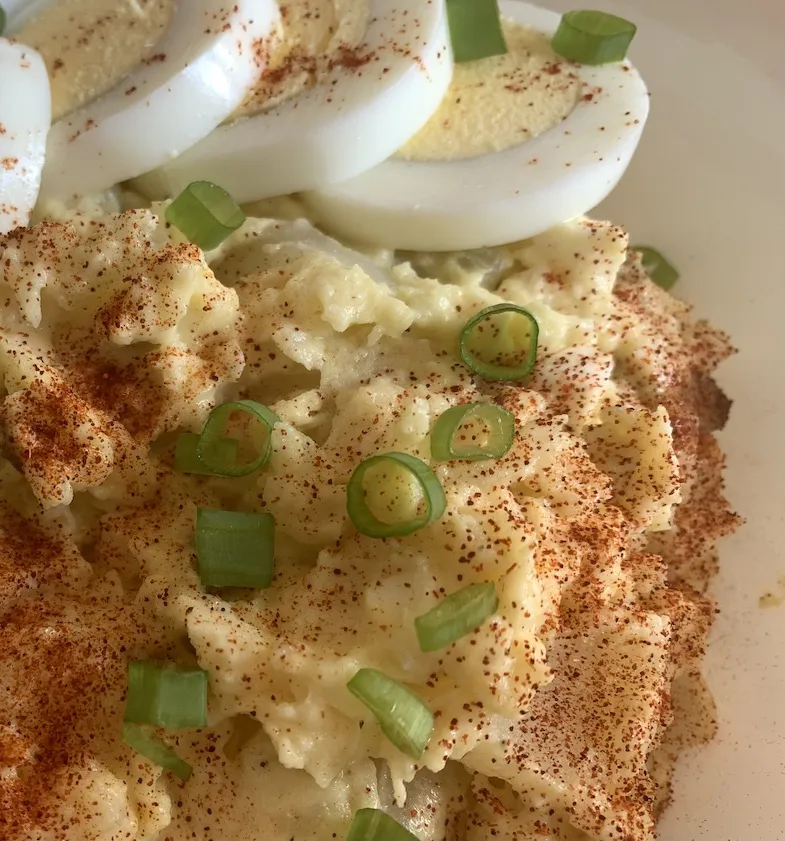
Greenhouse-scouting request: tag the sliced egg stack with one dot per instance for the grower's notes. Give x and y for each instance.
(370, 101)
(341, 140)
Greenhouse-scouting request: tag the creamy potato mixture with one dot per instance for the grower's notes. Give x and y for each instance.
(553, 718)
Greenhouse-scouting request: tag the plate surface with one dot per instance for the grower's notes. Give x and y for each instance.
(707, 187)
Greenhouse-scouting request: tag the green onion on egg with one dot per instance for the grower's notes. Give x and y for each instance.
(475, 29)
(589, 37)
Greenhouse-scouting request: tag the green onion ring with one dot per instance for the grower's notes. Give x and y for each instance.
(375, 825)
(363, 518)
(186, 460)
(491, 370)
(475, 29)
(459, 614)
(657, 267)
(165, 695)
(156, 750)
(208, 447)
(501, 424)
(205, 213)
(234, 548)
(403, 717)
(589, 37)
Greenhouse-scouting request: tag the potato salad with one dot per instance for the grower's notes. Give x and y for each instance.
(487, 636)
(354, 483)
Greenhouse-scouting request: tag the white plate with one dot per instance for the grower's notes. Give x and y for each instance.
(707, 186)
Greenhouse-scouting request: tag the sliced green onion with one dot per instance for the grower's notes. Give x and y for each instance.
(454, 435)
(166, 696)
(186, 460)
(592, 37)
(375, 825)
(403, 717)
(156, 750)
(475, 29)
(459, 614)
(2, 20)
(210, 444)
(234, 548)
(365, 521)
(205, 213)
(500, 351)
(662, 272)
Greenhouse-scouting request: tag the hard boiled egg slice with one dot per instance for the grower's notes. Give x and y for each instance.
(210, 55)
(371, 99)
(24, 121)
(494, 197)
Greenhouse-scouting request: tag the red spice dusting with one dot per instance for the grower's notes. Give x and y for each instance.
(351, 58)
(155, 59)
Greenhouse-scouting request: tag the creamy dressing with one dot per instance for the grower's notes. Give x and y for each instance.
(91, 45)
(499, 102)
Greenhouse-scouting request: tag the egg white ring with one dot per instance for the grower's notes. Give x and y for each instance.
(353, 121)
(563, 173)
(25, 115)
(162, 108)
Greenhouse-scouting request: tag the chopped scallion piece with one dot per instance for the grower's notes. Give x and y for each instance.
(475, 29)
(500, 343)
(234, 548)
(459, 614)
(2, 20)
(375, 825)
(589, 37)
(209, 447)
(403, 717)
(205, 213)
(164, 695)
(186, 460)
(662, 272)
(384, 470)
(157, 751)
(472, 432)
